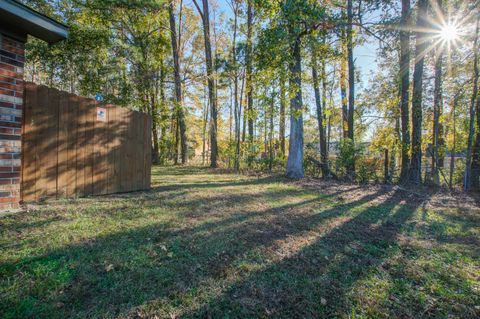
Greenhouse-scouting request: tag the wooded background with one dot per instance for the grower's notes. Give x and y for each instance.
(69, 152)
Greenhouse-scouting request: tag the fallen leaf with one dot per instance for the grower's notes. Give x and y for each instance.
(109, 268)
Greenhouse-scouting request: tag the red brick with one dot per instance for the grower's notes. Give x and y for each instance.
(8, 199)
(7, 79)
(6, 104)
(7, 130)
(9, 86)
(7, 67)
(9, 73)
(7, 92)
(11, 124)
(9, 175)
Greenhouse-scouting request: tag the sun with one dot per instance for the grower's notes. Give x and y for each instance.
(449, 32)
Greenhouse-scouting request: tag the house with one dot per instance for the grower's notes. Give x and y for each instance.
(16, 22)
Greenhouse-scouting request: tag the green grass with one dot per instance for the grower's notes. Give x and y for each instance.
(211, 245)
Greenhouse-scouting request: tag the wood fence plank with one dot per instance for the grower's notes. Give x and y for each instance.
(28, 144)
(81, 146)
(72, 134)
(148, 156)
(62, 145)
(89, 137)
(67, 151)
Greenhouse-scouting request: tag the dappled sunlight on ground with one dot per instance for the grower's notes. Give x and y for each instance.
(211, 244)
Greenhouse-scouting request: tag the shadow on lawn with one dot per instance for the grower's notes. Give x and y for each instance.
(199, 271)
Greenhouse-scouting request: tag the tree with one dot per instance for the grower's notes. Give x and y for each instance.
(237, 109)
(468, 167)
(249, 70)
(212, 96)
(351, 83)
(405, 88)
(420, 50)
(437, 130)
(180, 111)
(319, 99)
(283, 103)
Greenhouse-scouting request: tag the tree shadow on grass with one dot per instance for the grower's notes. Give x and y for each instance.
(114, 274)
(319, 280)
(325, 270)
(225, 266)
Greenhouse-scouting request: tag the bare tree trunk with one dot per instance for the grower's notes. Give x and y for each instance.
(454, 146)
(211, 82)
(468, 167)
(405, 88)
(283, 104)
(164, 151)
(204, 129)
(420, 50)
(343, 84)
(178, 86)
(437, 107)
(154, 115)
(437, 112)
(237, 110)
(295, 154)
(351, 83)
(249, 70)
(324, 147)
(318, 103)
(476, 150)
(270, 135)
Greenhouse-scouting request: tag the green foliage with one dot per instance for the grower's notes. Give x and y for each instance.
(348, 153)
(368, 169)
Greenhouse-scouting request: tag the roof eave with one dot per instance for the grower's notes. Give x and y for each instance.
(26, 20)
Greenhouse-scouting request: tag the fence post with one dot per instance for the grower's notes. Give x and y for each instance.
(386, 166)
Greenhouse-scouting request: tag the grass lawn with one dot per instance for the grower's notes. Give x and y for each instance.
(218, 245)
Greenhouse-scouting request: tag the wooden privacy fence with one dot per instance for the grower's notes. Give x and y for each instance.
(74, 146)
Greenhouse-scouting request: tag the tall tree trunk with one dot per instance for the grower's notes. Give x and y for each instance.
(270, 134)
(154, 115)
(469, 174)
(323, 144)
(164, 151)
(405, 88)
(283, 104)
(318, 103)
(295, 153)
(454, 146)
(211, 81)
(204, 128)
(235, 87)
(437, 112)
(420, 50)
(249, 70)
(178, 86)
(343, 84)
(351, 83)
(476, 149)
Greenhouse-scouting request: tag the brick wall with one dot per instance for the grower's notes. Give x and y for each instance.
(11, 99)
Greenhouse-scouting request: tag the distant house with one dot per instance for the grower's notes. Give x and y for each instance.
(16, 22)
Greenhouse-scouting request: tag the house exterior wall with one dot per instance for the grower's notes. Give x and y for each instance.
(11, 104)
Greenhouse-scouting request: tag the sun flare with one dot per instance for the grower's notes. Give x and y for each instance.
(449, 32)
